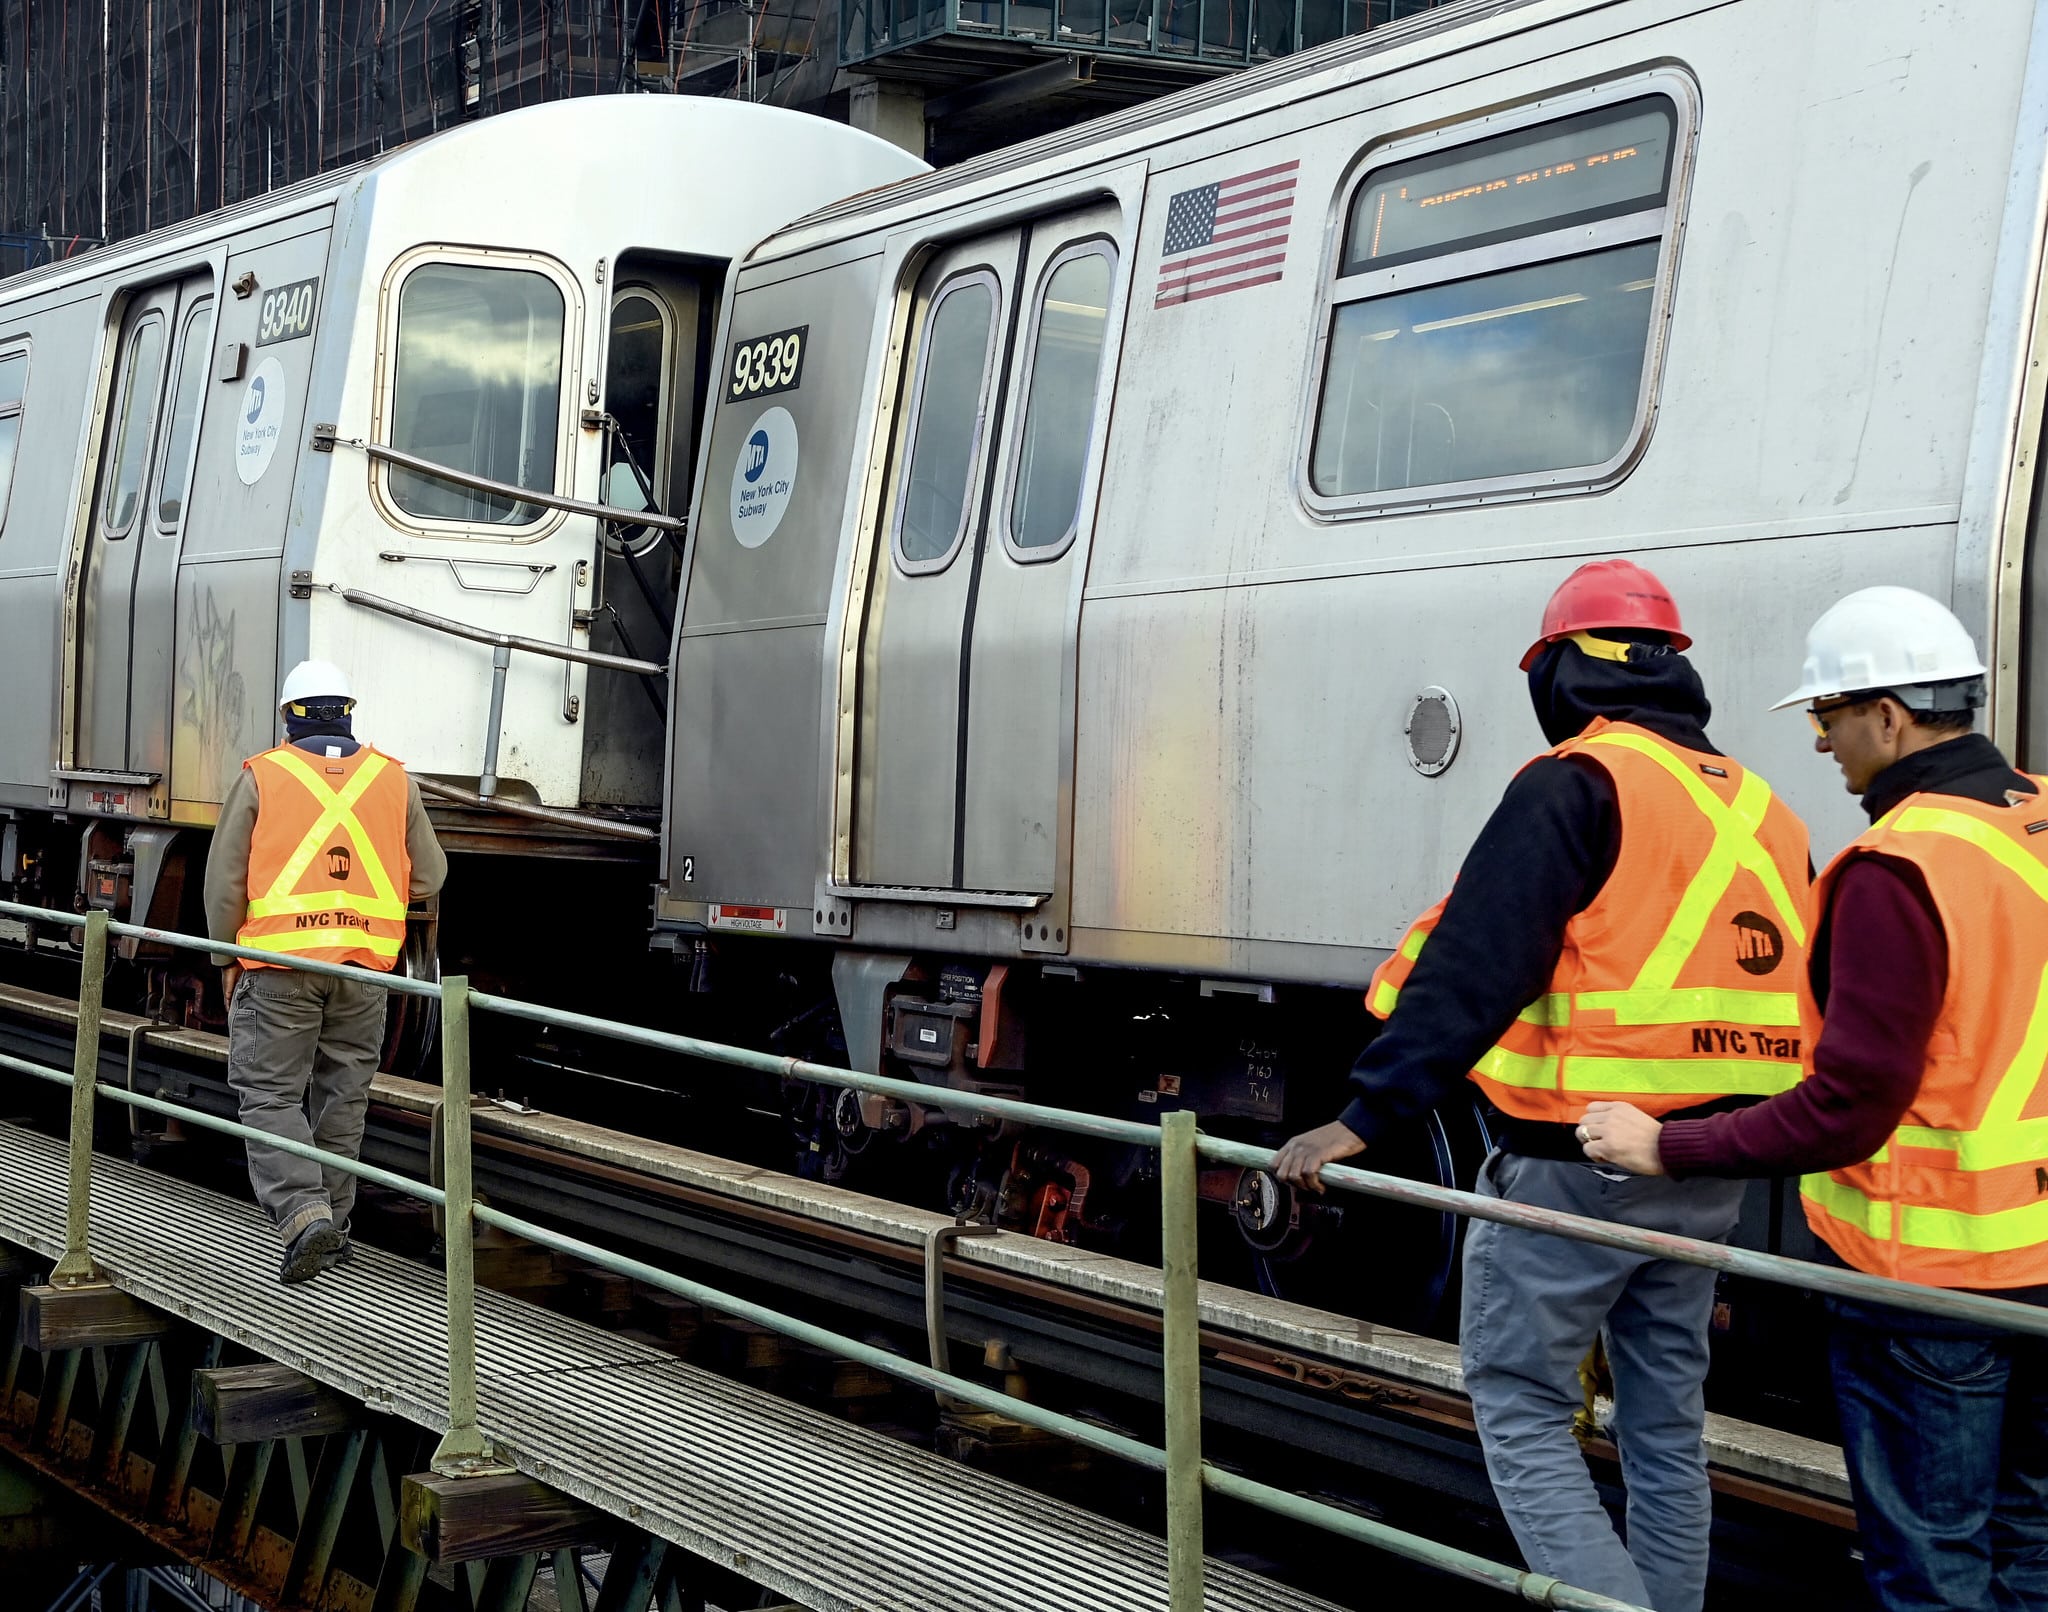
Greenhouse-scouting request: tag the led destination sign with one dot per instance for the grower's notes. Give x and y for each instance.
(1599, 165)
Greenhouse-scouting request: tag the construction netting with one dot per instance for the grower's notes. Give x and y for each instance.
(118, 116)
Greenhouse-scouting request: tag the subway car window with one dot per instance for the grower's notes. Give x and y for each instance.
(478, 387)
(947, 408)
(192, 366)
(1504, 351)
(635, 391)
(1072, 321)
(139, 377)
(13, 389)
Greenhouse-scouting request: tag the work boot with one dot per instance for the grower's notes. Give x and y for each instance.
(341, 1255)
(311, 1252)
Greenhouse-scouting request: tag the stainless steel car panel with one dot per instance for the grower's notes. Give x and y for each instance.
(747, 808)
(1242, 797)
(746, 768)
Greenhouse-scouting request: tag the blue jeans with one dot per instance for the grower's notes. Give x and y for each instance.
(1945, 1427)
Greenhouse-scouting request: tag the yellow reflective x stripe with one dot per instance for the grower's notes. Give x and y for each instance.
(1735, 1077)
(339, 937)
(326, 901)
(337, 809)
(1960, 825)
(1735, 846)
(2001, 1137)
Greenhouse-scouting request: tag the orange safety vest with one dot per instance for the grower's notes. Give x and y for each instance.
(1671, 988)
(328, 869)
(1958, 1197)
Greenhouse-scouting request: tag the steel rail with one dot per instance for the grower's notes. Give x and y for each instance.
(1786, 1272)
(527, 1173)
(1796, 1273)
(228, 1127)
(1533, 1587)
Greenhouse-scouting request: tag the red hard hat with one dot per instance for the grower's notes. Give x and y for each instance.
(1608, 593)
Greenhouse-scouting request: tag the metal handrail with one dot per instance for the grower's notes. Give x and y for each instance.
(500, 640)
(465, 1449)
(502, 644)
(326, 440)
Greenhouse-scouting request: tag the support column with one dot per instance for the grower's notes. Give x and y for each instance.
(889, 111)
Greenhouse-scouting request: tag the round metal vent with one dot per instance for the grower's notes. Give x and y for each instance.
(1432, 728)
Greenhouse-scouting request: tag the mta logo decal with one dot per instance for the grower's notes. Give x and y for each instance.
(1759, 945)
(337, 862)
(256, 391)
(757, 455)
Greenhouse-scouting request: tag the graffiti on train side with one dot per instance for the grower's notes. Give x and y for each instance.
(214, 703)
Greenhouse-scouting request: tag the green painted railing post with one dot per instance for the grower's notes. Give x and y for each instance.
(1178, 1168)
(76, 1267)
(463, 1450)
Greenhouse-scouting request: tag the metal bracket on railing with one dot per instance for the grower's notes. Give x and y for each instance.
(137, 1034)
(936, 1244)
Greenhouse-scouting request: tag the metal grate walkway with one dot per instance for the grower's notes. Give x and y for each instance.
(818, 1509)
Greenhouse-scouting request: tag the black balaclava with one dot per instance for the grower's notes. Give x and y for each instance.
(324, 719)
(1655, 687)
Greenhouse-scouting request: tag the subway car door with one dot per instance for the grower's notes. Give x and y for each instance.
(1017, 740)
(124, 620)
(964, 731)
(911, 724)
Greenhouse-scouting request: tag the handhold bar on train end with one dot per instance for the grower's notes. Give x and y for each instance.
(326, 439)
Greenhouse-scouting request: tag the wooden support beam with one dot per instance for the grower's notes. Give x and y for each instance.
(89, 1317)
(242, 1404)
(472, 1519)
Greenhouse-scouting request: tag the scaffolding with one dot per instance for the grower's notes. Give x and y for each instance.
(121, 116)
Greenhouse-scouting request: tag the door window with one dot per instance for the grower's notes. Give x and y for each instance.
(1070, 325)
(141, 371)
(636, 395)
(190, 393)
(477, 386)
(947, 410)
(13, 388)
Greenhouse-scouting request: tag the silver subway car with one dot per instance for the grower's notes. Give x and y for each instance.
(1105, 636)
(218, 455)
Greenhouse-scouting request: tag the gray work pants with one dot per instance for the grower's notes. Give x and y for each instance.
(301, 1051)
(1533, 1305)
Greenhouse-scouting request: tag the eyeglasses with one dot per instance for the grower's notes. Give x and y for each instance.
(1818, 714)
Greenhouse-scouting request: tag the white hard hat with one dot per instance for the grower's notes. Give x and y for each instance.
(1892, 639)
(314, 680)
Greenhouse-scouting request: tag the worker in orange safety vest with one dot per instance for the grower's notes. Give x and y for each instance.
(321, 846)
(1629, 923)
(1921, 1122)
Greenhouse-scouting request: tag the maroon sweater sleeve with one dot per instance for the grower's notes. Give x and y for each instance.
(1887, 967)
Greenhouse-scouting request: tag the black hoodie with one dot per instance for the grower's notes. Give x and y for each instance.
(1543, 856)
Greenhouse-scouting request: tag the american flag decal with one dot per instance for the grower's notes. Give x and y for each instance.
(1226, 236)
